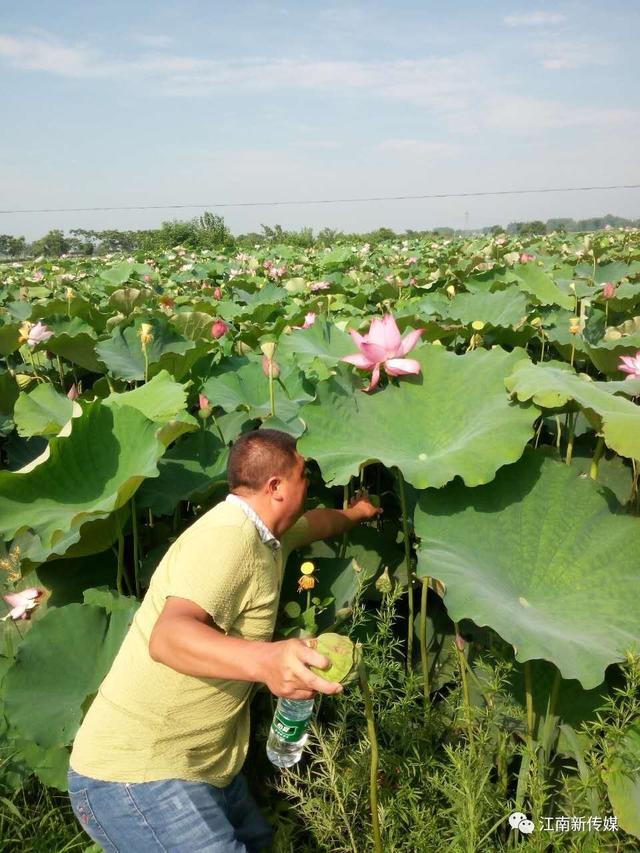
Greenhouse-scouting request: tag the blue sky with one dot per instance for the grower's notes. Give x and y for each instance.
(201, 101)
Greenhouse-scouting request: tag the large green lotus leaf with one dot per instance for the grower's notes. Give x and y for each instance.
(59, 664)
(44, 411)
(122, 352)
(20, 310)
(125, 299)
(492, 280)
(8, 392)
(240, 382)
(188, 471)
(504, 308)
(52, 310)
(87, 476)
(74, 340)
(193, 324)
(178, 364)
(122, 272)
(622, 777)
(553, 383)
(9, 337)
(612, 271)
(453, 419)
(160, 399)
(530, 555)
(321, 340)
(534, 281)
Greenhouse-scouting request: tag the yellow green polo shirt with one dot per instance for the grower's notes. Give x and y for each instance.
(150, 722)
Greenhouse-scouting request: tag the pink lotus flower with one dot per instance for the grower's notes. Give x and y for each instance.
(34, 334)
(217, 293)
(72, 393)
(608, 290)
(319, 285)
(383, 346)
(410, 261)
(631, 365)
(21, 603)
(309, 319)
(219, 329)
(525, 257)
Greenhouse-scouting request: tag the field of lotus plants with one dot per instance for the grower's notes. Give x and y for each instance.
(483, 391)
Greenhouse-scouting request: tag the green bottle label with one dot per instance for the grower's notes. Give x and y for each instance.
(289, 730)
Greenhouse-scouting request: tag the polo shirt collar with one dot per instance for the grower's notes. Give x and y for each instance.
(265, 534)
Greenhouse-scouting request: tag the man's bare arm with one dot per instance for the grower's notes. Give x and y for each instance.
(185, 639)
(327, 523)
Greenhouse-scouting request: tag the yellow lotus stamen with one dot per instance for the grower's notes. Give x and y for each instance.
(307, 568)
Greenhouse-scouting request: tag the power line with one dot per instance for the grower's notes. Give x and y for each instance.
(326, 200)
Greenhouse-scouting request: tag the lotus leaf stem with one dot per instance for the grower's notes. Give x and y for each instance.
(407, 559)
(136, 545)
(120, 572)
(345, 538)
(549, 722)
(558, 433)
(573, 353)
(272, 394)
(528, 686)
(60, 372)
(146, 362)
(572, 417)
(373, 765)
(465, 690)
(597, 456)
(217, 426)
(424, 657)
(542, 347)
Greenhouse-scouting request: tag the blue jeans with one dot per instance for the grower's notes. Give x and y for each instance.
(169, 816)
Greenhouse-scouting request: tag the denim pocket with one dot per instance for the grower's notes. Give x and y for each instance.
(84, 813)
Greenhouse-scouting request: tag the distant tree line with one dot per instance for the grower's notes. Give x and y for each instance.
(209, 231)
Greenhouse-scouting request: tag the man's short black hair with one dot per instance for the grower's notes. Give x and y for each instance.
(258, 455)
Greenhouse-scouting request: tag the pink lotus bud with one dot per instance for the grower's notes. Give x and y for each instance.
(203, 401)
(275, 367)
(219, 329)
(460, 643)
(525, 257)
(146, 278)
(217, 293)
(608, 290)
(72, 393)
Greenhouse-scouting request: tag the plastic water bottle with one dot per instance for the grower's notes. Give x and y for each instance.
(288, 733)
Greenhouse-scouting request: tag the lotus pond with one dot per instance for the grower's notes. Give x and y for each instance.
(483, 391)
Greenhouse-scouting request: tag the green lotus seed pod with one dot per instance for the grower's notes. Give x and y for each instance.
(340, 651)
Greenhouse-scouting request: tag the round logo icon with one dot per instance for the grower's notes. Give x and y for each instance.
(518, 820)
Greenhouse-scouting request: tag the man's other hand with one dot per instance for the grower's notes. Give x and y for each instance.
(288, 674)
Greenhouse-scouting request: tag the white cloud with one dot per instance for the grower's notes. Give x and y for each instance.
(444, 83)
(535, 19)
(457, 90)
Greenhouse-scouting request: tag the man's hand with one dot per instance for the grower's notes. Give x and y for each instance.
(287, 673)
(364, 509)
